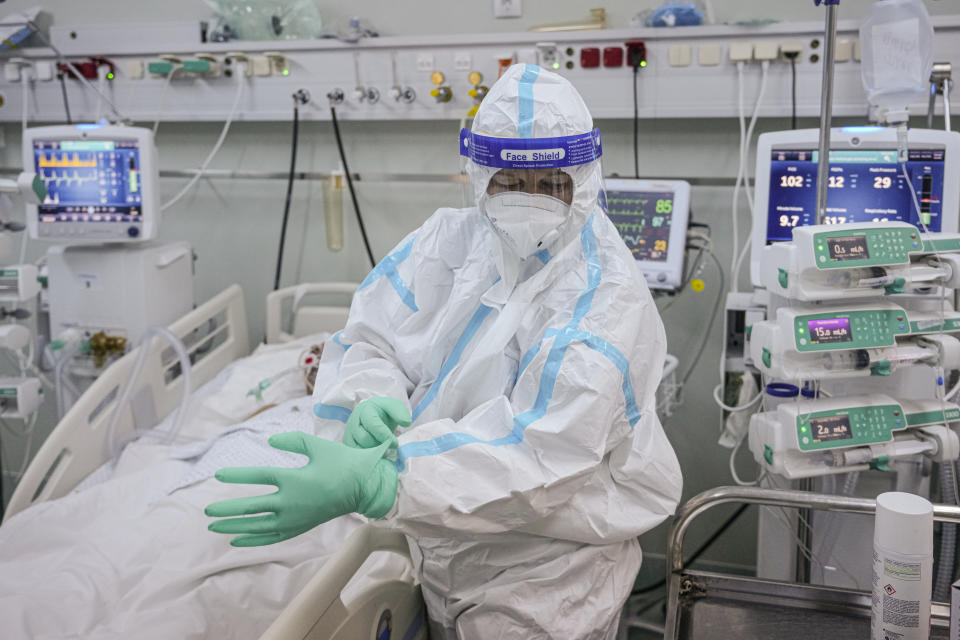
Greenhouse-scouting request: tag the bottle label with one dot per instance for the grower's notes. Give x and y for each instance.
(897, 584)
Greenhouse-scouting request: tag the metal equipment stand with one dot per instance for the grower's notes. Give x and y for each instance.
(704, 605)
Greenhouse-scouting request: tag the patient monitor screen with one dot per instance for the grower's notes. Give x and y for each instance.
(864, 186)
(643, 220)
(89, 180)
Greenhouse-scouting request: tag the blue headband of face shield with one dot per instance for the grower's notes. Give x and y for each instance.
(531, 153)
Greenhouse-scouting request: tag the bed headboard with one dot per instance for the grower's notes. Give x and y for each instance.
(215, 334)
(302, 319)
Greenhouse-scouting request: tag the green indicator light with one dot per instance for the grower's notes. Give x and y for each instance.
(110, 76)
(643, 63)
(556, 65)
(803, 429)
(286, 72)
(800, 330)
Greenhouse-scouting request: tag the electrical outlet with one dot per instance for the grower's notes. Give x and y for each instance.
(507, 8)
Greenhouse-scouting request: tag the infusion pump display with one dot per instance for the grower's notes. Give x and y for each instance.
(652, 216)
(863, 186)
(101, 183)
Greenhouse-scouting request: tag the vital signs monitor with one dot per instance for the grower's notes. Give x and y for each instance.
(652, 216)
(866, 182)
(101, 183)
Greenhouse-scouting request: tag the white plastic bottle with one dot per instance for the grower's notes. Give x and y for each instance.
(902, 567)
(896, 40)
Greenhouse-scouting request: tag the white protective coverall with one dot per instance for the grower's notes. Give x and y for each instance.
(535, 457)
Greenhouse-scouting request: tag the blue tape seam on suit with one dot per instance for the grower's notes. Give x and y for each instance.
(525, 106)
(388, 269)
(331, 412)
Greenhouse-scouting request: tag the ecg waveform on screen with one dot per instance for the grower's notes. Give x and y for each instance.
(64, 160)
(630, 227)
(630, 240)
(634, 201)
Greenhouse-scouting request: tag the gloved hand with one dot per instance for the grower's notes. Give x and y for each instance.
(374, 422)
(337, 480)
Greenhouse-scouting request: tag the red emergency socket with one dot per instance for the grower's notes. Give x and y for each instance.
(590, 57)
(613, 57)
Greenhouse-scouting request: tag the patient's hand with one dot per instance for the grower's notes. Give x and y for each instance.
(374, 422)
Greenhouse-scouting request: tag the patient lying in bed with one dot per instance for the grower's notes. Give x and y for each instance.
(127, 555)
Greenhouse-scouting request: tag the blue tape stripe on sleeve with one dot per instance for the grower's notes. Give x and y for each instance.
(331, 412)
(543, 255)
(336, 339)
(450, 441)
(388, 268)
(600, 345)
(525, 107)
(468, 333)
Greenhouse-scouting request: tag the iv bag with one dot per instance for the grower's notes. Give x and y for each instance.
(897, 53)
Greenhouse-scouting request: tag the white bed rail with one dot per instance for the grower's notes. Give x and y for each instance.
(309, 318)
(215, 334)
(319, 613)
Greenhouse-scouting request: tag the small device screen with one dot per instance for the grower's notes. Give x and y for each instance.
(830, 428)
(864, 186)
(848, 248)
(830, 330)
(89, 180)
(643, 220)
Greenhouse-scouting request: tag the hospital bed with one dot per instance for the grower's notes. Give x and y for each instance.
(215, 334)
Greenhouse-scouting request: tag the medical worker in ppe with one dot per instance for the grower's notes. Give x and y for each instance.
(497, 378)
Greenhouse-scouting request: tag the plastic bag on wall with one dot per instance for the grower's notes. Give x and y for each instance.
(671, 14)
(265, 20)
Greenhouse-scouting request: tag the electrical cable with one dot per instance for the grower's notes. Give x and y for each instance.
(286, 203)
(66, 102)
(793, 92)
(745, 153)
(353, 194)
(733, 466)
(713, 317)
(636, 126)
(700, 550)
(241, 74)
(160, 102)
(25, 100)
(76, 72)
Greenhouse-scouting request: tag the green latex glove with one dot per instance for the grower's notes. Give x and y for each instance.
(337, 480)
(374, 422)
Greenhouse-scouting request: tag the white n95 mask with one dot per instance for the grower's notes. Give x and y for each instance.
(524, 221)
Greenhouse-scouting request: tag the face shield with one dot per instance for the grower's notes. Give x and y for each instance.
(529, 183)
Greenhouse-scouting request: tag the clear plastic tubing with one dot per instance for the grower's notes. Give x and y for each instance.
(123, 401)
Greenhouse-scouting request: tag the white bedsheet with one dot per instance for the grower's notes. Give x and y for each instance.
(130, 556)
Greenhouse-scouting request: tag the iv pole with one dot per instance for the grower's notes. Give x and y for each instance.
(826, 106)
